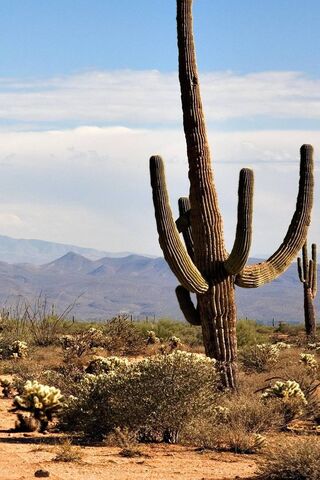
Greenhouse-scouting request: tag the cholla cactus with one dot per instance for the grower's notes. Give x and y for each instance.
(285, 390)
(291, 395)
(174, 342)
(18, 349)
(309, 361)
(282, 345)
(314, 346)
(152, 338)
(106, 364)
(40, 400)
(7, 387)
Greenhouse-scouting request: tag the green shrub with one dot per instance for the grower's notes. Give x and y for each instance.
(259, 358)
(154, 397)
(298, 460)
(123, 336)
(236, 425)
(248, 333)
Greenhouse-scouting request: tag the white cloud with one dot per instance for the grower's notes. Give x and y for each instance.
(90, 185)
(151, 97)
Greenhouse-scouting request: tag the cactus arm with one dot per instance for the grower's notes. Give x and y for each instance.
(300, 272)
(169, 239)
(313, 285)
(184, 222)
(256, 275)
(189, 311)
(310, 274)
(305, 260)
(241, 247)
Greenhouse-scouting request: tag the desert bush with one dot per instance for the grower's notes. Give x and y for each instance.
(259, 358)
(248, 333)
(236, 425)
(298, 460)
(67, 452)
(80, 344)
(153, 397)
(42, 401)
(166, 328)
(123, 336)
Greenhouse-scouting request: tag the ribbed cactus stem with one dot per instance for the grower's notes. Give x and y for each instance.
(191, 314)
(256, 275)
(300, 270)
(185, 226)
(169, 239)
(314, 276)
(241, 248)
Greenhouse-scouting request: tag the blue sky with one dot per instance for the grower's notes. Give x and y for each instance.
(88, 91)
(40, 38)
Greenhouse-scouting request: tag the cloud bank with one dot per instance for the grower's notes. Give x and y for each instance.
(145, 98)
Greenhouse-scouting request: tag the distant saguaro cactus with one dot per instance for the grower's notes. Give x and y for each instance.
(307, 270)
(204, 267)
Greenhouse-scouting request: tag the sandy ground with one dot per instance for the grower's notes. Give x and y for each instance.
(21, 455)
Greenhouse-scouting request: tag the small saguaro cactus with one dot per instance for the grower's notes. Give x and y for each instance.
(307, 270)
(203, 265)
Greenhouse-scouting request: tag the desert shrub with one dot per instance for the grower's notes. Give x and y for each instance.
(154, 397)
(166, 328)
(259, 358)
(80, 344)
(298, 460)
(123, 336)
(248, 333)
(41, 401)
(236, 425)
(67, 452)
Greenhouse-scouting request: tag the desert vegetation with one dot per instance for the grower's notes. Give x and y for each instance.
(91, 385)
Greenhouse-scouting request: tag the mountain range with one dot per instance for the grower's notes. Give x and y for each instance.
(138, 285)
(37, 252)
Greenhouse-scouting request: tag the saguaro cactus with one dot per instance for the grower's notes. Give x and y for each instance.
(307, 270)
(204, 266)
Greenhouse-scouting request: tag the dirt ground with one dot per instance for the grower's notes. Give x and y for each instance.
(21, 455)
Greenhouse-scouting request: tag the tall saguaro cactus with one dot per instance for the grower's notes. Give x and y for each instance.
(307, 270)
(204, 267)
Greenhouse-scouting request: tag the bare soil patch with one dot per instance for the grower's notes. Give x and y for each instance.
(21, 455)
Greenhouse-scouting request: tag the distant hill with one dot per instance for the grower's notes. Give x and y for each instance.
(37, 252)
(138, 285)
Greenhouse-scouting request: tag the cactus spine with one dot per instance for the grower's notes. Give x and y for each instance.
(307, 270)
(204, 267)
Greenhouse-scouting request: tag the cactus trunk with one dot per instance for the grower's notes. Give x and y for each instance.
(309, 313)
(218, 313)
